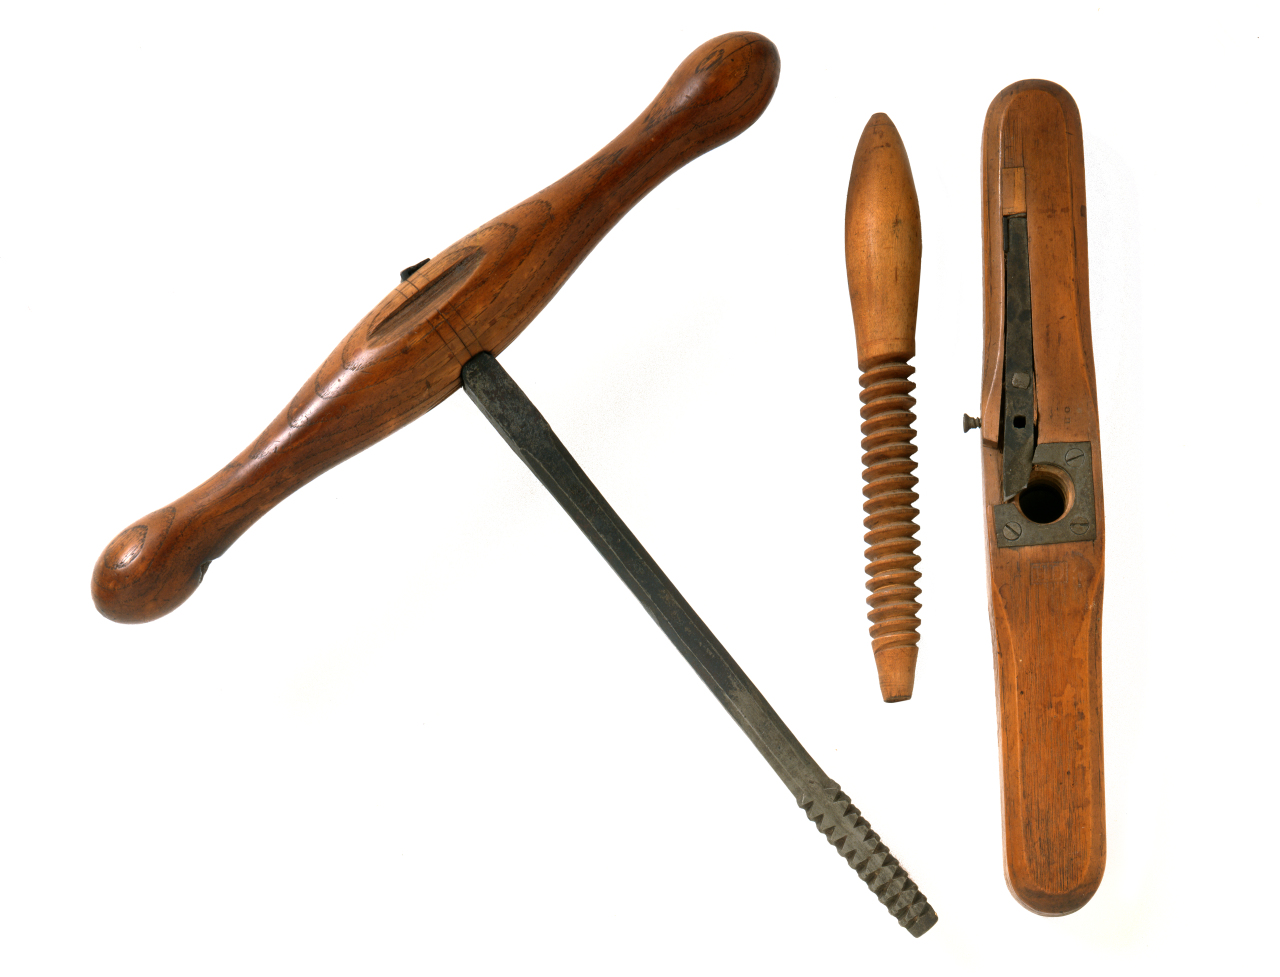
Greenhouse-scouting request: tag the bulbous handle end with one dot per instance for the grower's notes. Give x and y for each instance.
(718, 91)
(149, 569)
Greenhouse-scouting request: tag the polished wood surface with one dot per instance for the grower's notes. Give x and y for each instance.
(406, 355)
(882, 245)
(1045, 600)
(882, 257)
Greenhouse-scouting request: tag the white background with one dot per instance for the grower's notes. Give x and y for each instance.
(411, 723)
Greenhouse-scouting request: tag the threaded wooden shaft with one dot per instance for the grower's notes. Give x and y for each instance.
(888, 469)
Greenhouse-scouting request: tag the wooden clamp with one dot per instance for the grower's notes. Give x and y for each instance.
(1042, 478)
(407, 354)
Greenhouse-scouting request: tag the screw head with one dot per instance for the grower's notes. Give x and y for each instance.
(1021, 381)
(1079, 525)
(1012, 530)
(971, 422)
(1073, 456)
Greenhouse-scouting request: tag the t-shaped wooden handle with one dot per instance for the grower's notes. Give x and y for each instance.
(882, 255)
(406, 355)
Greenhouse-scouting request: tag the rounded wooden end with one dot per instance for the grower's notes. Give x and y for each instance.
(717, 92)
(1054, 903)
(882, 245)
(139, 578)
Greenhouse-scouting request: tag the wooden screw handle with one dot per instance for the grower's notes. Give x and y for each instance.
(882, 246)
(406, 355)
(882, 256)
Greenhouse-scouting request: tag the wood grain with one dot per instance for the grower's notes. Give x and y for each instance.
(882, 247)
(406, 355)
(1045, 600)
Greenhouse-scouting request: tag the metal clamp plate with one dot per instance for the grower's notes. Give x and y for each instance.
(1078, 524)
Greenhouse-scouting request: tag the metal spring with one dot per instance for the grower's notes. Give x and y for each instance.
(889, 505)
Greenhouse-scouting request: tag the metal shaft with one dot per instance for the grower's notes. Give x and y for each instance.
(527, 432)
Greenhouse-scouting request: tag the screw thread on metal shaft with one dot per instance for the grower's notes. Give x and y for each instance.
(890, 522)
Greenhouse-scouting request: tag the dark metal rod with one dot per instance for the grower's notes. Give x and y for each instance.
(527, 432)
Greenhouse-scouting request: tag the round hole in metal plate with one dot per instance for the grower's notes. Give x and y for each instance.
(1049, 494)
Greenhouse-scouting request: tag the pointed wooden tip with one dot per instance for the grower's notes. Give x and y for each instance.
(897, 668)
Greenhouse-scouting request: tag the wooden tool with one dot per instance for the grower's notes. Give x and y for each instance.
(1042, 477)
(407, 354)
(440, 329)
(882, 257)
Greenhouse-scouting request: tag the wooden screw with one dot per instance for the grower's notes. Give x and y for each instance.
(882, 255)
